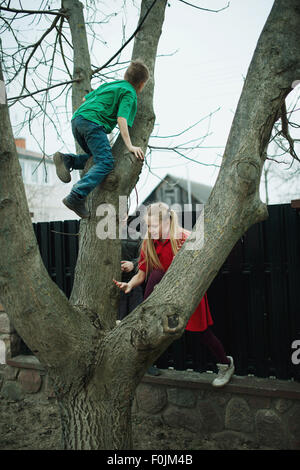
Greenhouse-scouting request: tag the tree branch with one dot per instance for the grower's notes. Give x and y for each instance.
(35, 46)
(205, 9)
(17, 98)
(35, 12)
(285, 132)
(140, 24)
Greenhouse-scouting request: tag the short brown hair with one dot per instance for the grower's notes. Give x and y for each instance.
(137, 73)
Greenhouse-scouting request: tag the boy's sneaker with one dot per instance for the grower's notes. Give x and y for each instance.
(76, 204)
(62, 166)
(225, 373)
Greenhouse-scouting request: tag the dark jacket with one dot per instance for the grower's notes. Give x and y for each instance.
(130, 252)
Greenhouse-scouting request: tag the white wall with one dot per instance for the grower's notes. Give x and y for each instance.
(45, 192)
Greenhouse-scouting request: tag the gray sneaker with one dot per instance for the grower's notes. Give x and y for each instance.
(224, 374)
(62, 167)
(76, 204)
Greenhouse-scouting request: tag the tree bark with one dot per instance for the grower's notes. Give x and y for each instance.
(93, 286)
(90, 423)
(81, 56)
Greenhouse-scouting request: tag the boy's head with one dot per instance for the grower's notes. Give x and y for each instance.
(137, 74)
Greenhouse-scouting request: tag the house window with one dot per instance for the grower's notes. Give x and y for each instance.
(22, 164)
(169, 196)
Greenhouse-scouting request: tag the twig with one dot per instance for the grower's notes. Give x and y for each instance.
(34, 12)
(285, 132)
(35, 46)
(44, 89)
(127, 42)
(205, 9)
(64, 233)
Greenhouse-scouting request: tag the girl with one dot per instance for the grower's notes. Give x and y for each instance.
(164, 239)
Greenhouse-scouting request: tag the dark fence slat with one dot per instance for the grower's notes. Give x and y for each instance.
(277, 307)
(254, 299)
(58, 258)
(292, 226)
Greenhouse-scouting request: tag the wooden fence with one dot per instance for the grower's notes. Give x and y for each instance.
(254, 300)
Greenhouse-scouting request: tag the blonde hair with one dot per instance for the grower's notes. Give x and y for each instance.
(176, 231)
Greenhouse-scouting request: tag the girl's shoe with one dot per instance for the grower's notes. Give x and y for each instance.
(224, 374)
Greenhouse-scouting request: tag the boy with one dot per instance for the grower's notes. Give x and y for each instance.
(111, 104)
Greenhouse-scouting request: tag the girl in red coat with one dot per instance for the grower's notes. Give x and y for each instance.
(163, 240)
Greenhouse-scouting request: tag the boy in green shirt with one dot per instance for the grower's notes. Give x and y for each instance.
(102, 109)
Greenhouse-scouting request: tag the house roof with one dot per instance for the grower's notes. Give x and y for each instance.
(199, 191)
(29, 154)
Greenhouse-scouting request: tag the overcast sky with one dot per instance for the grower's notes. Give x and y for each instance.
(203, 60)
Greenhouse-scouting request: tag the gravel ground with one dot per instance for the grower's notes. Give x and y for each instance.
(28, 425)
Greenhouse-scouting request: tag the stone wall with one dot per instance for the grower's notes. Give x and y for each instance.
(247, 413)
(260, 413)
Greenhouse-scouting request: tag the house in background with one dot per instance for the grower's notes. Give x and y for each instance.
(174, 190)
(44, 191)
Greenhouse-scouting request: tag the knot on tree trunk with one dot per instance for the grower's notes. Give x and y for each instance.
(173, 324)
(5, 202)
(151, 334)
(246, 176)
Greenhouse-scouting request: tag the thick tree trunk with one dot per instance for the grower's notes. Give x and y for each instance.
(81, 56)
(93, 286)
(90, 423)
(38, 309)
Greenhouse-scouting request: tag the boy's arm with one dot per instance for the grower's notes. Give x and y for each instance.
(137, 151)
(86, 97)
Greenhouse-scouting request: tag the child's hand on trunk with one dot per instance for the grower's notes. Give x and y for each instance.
(124, 286)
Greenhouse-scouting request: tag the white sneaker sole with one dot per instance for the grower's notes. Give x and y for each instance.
(231, 371)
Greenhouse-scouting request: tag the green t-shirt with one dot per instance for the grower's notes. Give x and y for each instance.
(108, 102)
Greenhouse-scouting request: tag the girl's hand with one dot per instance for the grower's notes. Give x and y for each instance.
(127, 266)
(124, 286)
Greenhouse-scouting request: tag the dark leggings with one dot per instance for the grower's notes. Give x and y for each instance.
(206, 337)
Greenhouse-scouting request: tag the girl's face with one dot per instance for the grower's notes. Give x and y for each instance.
(158, 228)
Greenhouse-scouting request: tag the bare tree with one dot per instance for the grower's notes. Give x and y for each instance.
(95, 366)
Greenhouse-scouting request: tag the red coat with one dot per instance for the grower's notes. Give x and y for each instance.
(201, 317)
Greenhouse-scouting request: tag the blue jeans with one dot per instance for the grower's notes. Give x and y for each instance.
(93, 140)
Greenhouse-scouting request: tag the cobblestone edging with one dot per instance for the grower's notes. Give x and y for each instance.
(260, 413)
